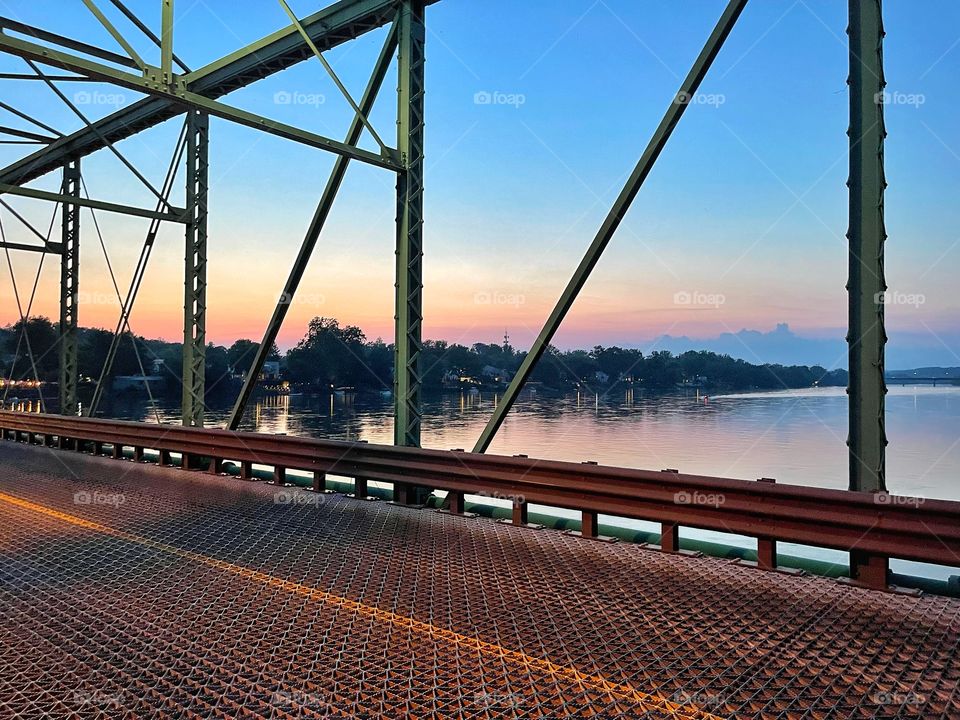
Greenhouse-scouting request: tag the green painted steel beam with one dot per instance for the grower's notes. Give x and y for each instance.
(132, 17)
(688, 90)
(166, 41)
(408, 344)
(195, 271)
(867, 234)
(332, 26)
(289, 132)
(152, 84)
(40, 34)
(313, 231)
(330, 71)
(178, 215)
(25, 134)
(52, 248)
(115, 34)
(69, 288)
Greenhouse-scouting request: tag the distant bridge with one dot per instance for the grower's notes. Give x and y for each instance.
(921, 380)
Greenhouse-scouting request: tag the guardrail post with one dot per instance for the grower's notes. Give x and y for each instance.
(246, 470)
(402, 493)
(767, 547)
(164, 459)
(869, 570)
(117, 451)
(588, 524)
(319, 481)
(138, 454)
(279, 475)
(456, 502)
(98, 448)
(669, 537)
(520, 512)
(766, 554)
(360, 487)
(214, 467)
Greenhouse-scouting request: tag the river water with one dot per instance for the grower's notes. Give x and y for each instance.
(795, 436)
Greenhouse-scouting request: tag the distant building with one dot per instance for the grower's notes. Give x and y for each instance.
(271, 370)
(496, 374)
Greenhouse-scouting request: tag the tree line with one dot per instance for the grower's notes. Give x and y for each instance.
(331, 355)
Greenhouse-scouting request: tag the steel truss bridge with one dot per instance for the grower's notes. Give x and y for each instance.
(444, 617)
(172, 89)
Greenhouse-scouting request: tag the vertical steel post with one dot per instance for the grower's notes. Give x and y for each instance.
(195, 271)
(409, 283)
(69, 289)
(166, 41)
(866, 336)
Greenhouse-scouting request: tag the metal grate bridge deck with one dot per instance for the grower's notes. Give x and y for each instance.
(128, 590)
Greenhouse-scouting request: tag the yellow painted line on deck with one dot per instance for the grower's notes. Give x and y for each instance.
(646, 701)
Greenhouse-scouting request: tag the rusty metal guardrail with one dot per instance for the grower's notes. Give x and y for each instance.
(872, 527)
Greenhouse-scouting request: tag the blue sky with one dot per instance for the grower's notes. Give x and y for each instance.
(746, 207)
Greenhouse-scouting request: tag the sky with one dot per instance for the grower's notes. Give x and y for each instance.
(536, 112)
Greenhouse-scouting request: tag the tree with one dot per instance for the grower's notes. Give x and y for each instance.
(94, 344)
(380, 362)
(216, 369)
(41, 338)
(617, 362)
(579, 366)
(328, 355)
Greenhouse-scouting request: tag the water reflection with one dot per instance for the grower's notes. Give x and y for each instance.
(794, 436)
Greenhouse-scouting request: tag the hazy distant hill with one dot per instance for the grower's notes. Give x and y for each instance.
(922, 351)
